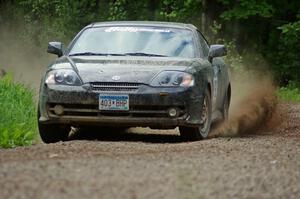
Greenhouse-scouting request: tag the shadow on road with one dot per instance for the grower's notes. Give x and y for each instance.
(117, 135)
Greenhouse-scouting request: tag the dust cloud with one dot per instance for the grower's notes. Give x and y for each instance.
(21, 57)
(253, 106)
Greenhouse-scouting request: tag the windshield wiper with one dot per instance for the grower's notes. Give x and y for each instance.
(115, 54)
(144, 54)
(95, 54)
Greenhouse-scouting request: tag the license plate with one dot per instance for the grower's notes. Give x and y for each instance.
(114, 102)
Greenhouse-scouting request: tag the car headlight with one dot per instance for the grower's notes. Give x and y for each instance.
(172, 79)
(63, 77)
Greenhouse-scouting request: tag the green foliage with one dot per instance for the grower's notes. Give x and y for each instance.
(291, 93)
(117, 10)
(180, 10)
(287, 57)
(18, 114)
(243, 9)
(59, 20)
(233, 58)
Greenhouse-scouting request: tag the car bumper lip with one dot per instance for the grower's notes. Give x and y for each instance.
(113, 120)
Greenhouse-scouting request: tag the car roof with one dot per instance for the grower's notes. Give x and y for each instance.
(144, 23)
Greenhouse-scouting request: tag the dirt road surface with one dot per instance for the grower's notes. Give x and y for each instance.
(158, 164)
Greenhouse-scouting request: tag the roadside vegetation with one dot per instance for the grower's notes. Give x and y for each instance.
(17, 114)
(290, 93)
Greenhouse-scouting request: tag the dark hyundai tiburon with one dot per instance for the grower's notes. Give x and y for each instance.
(130, 74)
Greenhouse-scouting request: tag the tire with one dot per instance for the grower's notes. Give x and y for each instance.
(201, 132)
(226, 108)
(51, 133)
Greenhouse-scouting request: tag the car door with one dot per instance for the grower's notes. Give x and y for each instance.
(218, 81)
(217, 73)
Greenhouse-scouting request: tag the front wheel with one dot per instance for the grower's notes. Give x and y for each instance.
(201, 132)
(226, 104)
(51, 133)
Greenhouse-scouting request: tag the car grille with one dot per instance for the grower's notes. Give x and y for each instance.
(115, 86)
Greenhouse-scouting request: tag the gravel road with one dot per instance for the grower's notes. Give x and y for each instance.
(158, 164)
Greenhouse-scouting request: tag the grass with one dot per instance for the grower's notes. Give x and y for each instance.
(290, 93)
(17, 114)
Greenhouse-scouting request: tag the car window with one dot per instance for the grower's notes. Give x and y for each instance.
(169, 42)
(204, 45)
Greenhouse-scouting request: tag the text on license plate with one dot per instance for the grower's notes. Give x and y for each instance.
(114, 102)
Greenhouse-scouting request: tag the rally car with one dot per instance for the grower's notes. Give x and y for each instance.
(134, 74)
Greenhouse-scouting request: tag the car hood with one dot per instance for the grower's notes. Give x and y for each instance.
(129, 69)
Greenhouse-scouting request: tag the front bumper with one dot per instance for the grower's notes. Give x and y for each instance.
(148, 107)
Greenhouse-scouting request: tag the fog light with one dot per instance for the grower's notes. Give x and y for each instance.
(58, 109)
(172, 112)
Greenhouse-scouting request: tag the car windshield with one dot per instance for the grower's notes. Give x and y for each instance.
(134, 41)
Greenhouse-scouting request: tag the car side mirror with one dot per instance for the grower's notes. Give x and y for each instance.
(55, 48)
(216, 51)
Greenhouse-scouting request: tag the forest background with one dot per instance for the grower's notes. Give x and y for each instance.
(260, 34)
